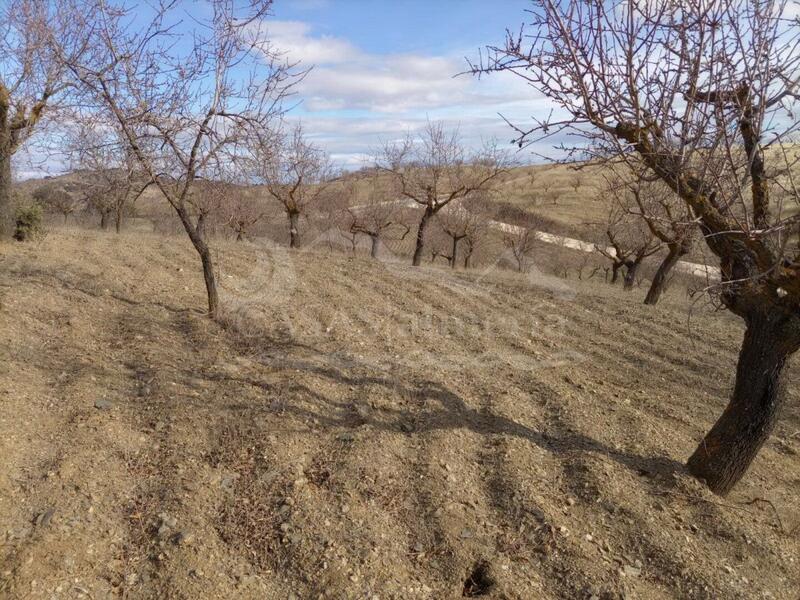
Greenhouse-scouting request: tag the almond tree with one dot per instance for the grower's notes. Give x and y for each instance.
(184, 99)
(626, 240)
(295, 172)
(242, 210)
(58, 199)
(462, 221)
(434, 169)
(699, 93)
(380, 212)
(113, 179)
(520, 241)
(626, 243)
(670, 221)
(32, 79)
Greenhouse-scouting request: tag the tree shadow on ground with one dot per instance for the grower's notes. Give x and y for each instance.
(439, 408)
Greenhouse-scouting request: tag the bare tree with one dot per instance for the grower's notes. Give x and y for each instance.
(433, 169)
(626, 240)
(669, 220)
(296, 173)
(697, 91)
(57, 199)
(380, 212)
(478, 229)
(113, 178)
(521, 242)
(242, 210)
(462, 221)
(183, 108)
(32, 80)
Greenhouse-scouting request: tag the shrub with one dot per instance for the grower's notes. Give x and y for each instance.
(28, 220)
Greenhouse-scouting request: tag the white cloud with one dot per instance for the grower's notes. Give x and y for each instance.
(346, 78)
(292, 37)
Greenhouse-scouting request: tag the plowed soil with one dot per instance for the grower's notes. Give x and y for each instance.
(362, 429)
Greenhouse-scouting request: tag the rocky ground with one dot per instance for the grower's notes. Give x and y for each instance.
(358, 429)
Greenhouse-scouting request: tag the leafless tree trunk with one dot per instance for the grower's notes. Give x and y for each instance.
(294, 217)
(184, 110)
(676, 251)
(32, 80)
(433, 169)
(6, 210)
(703, 128)
(296, 173)
(419, 245)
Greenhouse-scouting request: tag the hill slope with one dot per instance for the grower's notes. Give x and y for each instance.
(365, 430)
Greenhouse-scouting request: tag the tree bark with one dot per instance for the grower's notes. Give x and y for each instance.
(293, 231)
(373, 252)
(659, 284)
(210, 280)
(630, 275)
(118, 220)
(615, 272)
(420, 245)
(727, 451)
(454, 253)
(196, 234)
(103, 220)
(6, 208)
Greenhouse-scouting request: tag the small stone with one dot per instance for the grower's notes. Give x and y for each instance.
(571, 501)
(43, 518)
(631, 571)
(467, 534)
(285, 527)
(183, 538)
(103, 404)
(131, 579)
(168, 520)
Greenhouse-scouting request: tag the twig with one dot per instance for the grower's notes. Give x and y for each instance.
(775, 510)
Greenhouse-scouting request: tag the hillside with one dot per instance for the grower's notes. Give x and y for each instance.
(366, 430)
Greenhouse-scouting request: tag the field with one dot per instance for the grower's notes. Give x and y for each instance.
(362, 429)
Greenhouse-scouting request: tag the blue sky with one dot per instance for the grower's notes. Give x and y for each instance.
(382, 68)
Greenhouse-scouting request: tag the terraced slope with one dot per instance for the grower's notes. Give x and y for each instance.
(365, 430)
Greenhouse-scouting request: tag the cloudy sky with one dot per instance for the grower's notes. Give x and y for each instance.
(382, 68)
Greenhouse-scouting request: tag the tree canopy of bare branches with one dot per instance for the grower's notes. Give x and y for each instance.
(702, 93)
(625, 238)
(668, 219)
(463, 221)
(184, 99)
(113, 179)
(434, 169)
(378, 212)
(295, 172)
(33, 80)
(57, 198)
